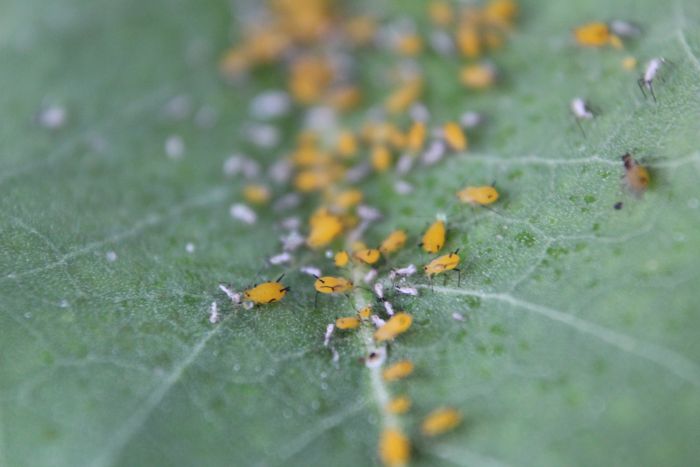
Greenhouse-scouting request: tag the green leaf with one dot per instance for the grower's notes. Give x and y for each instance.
(579, 341)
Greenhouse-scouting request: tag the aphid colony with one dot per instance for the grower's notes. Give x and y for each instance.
(329, 162)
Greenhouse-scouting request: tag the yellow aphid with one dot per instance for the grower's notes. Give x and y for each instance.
(346, 146)
(361, 29)
(455, 137)
(393, 242)
(324, 228)
(348, 198)
(468, 41)
(234, 62)
(308, 155)
(394, 448)
(478, 76)
(398, 370)
(309, 77)
(478, 195)
(440, 12)
(266, 45)
(409, 45)
(441, 264)
(434, 237)
(440, 421)
(344, 98)
(397, 324)
(349, 322)
(501, 12)
(416, 136)
(637, 176)
(332, 284)
(312, 180)
(367, 255)
(381, 158)
(256, 194)
(396, 138)
(629, 63)
(341, 259)
(399, 405)
(365, 313)
(402, 98)
(267, 292)
(596, 34)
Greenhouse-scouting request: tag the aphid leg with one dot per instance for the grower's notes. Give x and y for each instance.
(316, 301)
(651, 90)
(444, 280)
(280, 277)
(580, 127)
(286, 289)
(352, 305)
(640, 83)
(459, 277)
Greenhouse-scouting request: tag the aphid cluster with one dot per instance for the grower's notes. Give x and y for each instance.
(314, 45)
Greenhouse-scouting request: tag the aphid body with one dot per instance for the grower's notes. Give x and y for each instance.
(434, 237)
(398, 370)
(397, 324)
(332, 285)
(348, 322)
(393, 242)
(478, 195)
(442, 264)
(454, 136)
(440, 421)
(580, 109)
(368, 255)
(394, 448)
(341, 259)
(637, 176)
(267, 292)
(399, 405)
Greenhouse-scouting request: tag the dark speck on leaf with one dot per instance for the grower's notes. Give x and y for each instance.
(618, 205)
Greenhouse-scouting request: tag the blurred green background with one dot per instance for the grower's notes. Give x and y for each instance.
(580, 344)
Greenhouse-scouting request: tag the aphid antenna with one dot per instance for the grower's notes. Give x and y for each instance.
(280, 277)
(352, 304)
(641, 83)
(580, 127)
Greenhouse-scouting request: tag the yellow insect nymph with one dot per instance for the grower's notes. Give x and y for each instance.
(348, 322)
(332, 284)
(398, 370)
(267, 292)
(443, 263)
(341, 259)
(397, 324)
(393, 242)
(440, 421)
(454, 136)
(368, 255)
(478, 195)
(434, 237)
(394, 448)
